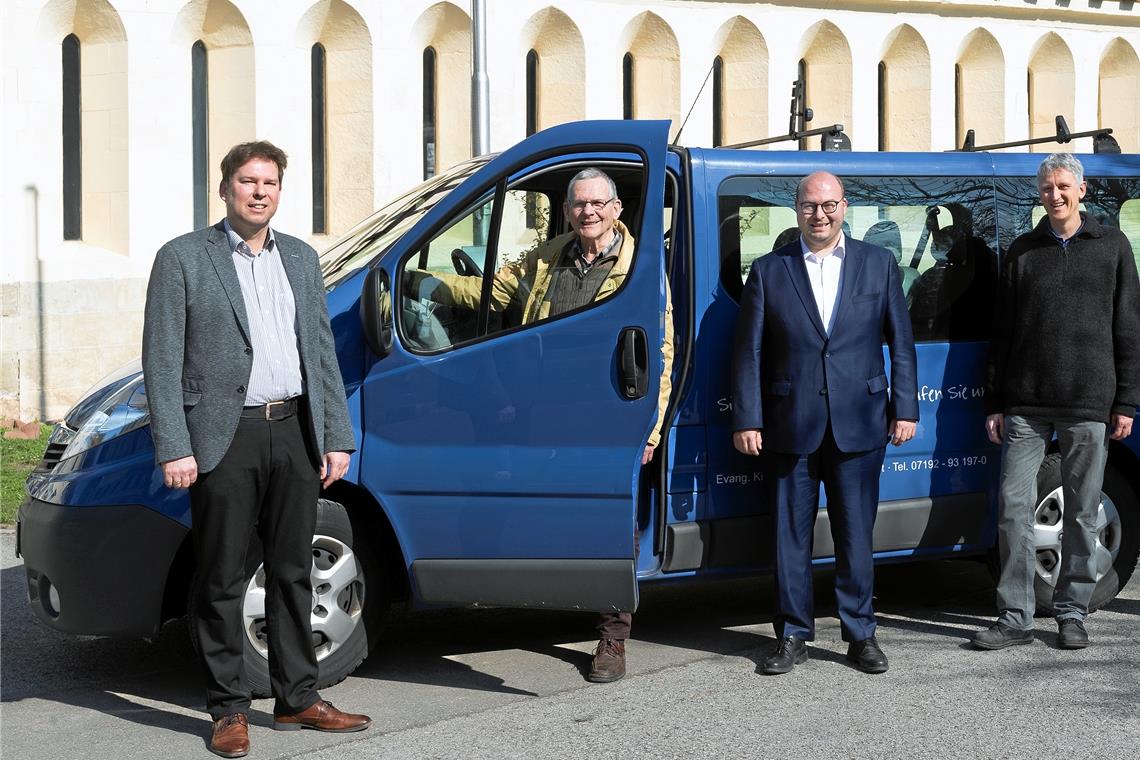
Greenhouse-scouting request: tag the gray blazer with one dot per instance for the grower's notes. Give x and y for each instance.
(197, 357)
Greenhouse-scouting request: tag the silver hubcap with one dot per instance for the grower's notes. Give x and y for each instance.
(338, 599)
(1047, 535)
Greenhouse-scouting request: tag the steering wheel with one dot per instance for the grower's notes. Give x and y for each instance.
(465, 266)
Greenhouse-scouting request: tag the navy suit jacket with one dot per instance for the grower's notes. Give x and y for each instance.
(790, 378)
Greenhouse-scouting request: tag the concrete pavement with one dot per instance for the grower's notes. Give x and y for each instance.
(508, 684)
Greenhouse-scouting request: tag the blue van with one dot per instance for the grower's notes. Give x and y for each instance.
(498, 460)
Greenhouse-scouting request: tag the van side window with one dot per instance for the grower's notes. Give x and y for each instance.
(941, 231)
(1130, 225)
(498, 266)
(443, 283)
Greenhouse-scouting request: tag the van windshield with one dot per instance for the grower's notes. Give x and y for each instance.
(375, 234)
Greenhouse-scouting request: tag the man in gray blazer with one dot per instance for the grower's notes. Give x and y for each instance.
(248, 412)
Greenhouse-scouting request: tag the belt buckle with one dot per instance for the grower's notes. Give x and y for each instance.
(269, 407)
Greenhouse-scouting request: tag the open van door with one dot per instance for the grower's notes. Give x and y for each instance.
(503, 442)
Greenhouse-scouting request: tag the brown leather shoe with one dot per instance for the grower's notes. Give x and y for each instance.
(322, 716)
(609, 661)
(231, 736)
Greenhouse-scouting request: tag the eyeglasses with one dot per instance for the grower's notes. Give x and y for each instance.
(580, 206)
(807, 208)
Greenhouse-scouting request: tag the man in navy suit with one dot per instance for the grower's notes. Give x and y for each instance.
(810, 389)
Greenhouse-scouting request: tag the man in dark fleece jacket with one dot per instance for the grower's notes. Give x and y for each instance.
(1064, 360)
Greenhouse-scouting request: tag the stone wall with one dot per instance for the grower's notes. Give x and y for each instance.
(51, 354)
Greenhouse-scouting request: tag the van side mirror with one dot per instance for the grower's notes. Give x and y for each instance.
(376, 311)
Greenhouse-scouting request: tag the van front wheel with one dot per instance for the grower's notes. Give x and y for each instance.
(349, 602)
(1117, 542)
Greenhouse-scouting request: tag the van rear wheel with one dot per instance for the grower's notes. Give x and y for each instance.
(1118, 535)
(349, 602)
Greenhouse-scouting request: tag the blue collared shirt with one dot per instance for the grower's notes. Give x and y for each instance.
(1064, 242)
(272, 316)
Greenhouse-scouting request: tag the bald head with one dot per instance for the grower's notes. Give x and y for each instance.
(819, 177)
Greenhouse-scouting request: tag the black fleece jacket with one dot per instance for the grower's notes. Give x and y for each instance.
(1066, 337)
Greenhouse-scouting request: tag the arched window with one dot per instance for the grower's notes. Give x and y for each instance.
(718, 102)
(72, 141)
(531, 92)
(319, 143)
(429, 112)
(200, 132)
(627, 86)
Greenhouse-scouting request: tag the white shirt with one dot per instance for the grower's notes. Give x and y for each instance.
(825, 274)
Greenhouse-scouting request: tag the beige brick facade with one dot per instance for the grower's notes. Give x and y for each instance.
(70, 310)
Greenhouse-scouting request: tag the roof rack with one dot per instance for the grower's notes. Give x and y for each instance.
(832, 138)
(1103, 141)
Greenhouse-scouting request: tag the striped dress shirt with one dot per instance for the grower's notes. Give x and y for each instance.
(272, 316)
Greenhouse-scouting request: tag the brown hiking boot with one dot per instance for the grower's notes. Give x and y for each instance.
(609, 661)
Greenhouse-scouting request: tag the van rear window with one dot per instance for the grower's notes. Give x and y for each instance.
(941, 231)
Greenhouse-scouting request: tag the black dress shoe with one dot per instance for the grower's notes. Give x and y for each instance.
(867, 656)
(1071, 634)
(1000, 636)
(789, 653)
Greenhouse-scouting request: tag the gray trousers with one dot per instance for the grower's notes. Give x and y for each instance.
(1084, 450)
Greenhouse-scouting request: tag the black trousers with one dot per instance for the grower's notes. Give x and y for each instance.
(266, 483)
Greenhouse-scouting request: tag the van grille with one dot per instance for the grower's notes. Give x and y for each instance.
(51, 457)
(57, 444)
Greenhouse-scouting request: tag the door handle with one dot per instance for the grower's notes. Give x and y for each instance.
(633, 363)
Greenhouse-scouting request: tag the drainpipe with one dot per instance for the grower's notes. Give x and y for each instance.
(480, 103)
(480, 88)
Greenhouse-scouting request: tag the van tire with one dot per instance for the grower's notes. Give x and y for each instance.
(1119, 536)
(361, 600)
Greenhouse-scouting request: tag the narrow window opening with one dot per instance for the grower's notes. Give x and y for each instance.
(200, 132)
(627, 86)
(531, 201)
(882, 105)
(429, 96)
(531, 93)
(72, 141)
(319, 147)
(718, 102)
(1029, 100)
(958, 115)
(801, 124)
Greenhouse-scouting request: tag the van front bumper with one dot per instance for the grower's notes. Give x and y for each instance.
(97, 570)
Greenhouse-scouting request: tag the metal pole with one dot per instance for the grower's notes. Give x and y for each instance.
(480, 88)
(480, 104)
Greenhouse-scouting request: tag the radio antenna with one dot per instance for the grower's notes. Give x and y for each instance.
(677, 139)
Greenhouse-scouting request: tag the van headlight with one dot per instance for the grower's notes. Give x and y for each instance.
(114, 414)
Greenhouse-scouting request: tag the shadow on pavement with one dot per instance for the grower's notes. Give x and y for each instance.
(116, 677)
(134, 680)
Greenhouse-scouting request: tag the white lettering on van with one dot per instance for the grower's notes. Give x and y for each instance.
(950, 393)
(739, 479)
